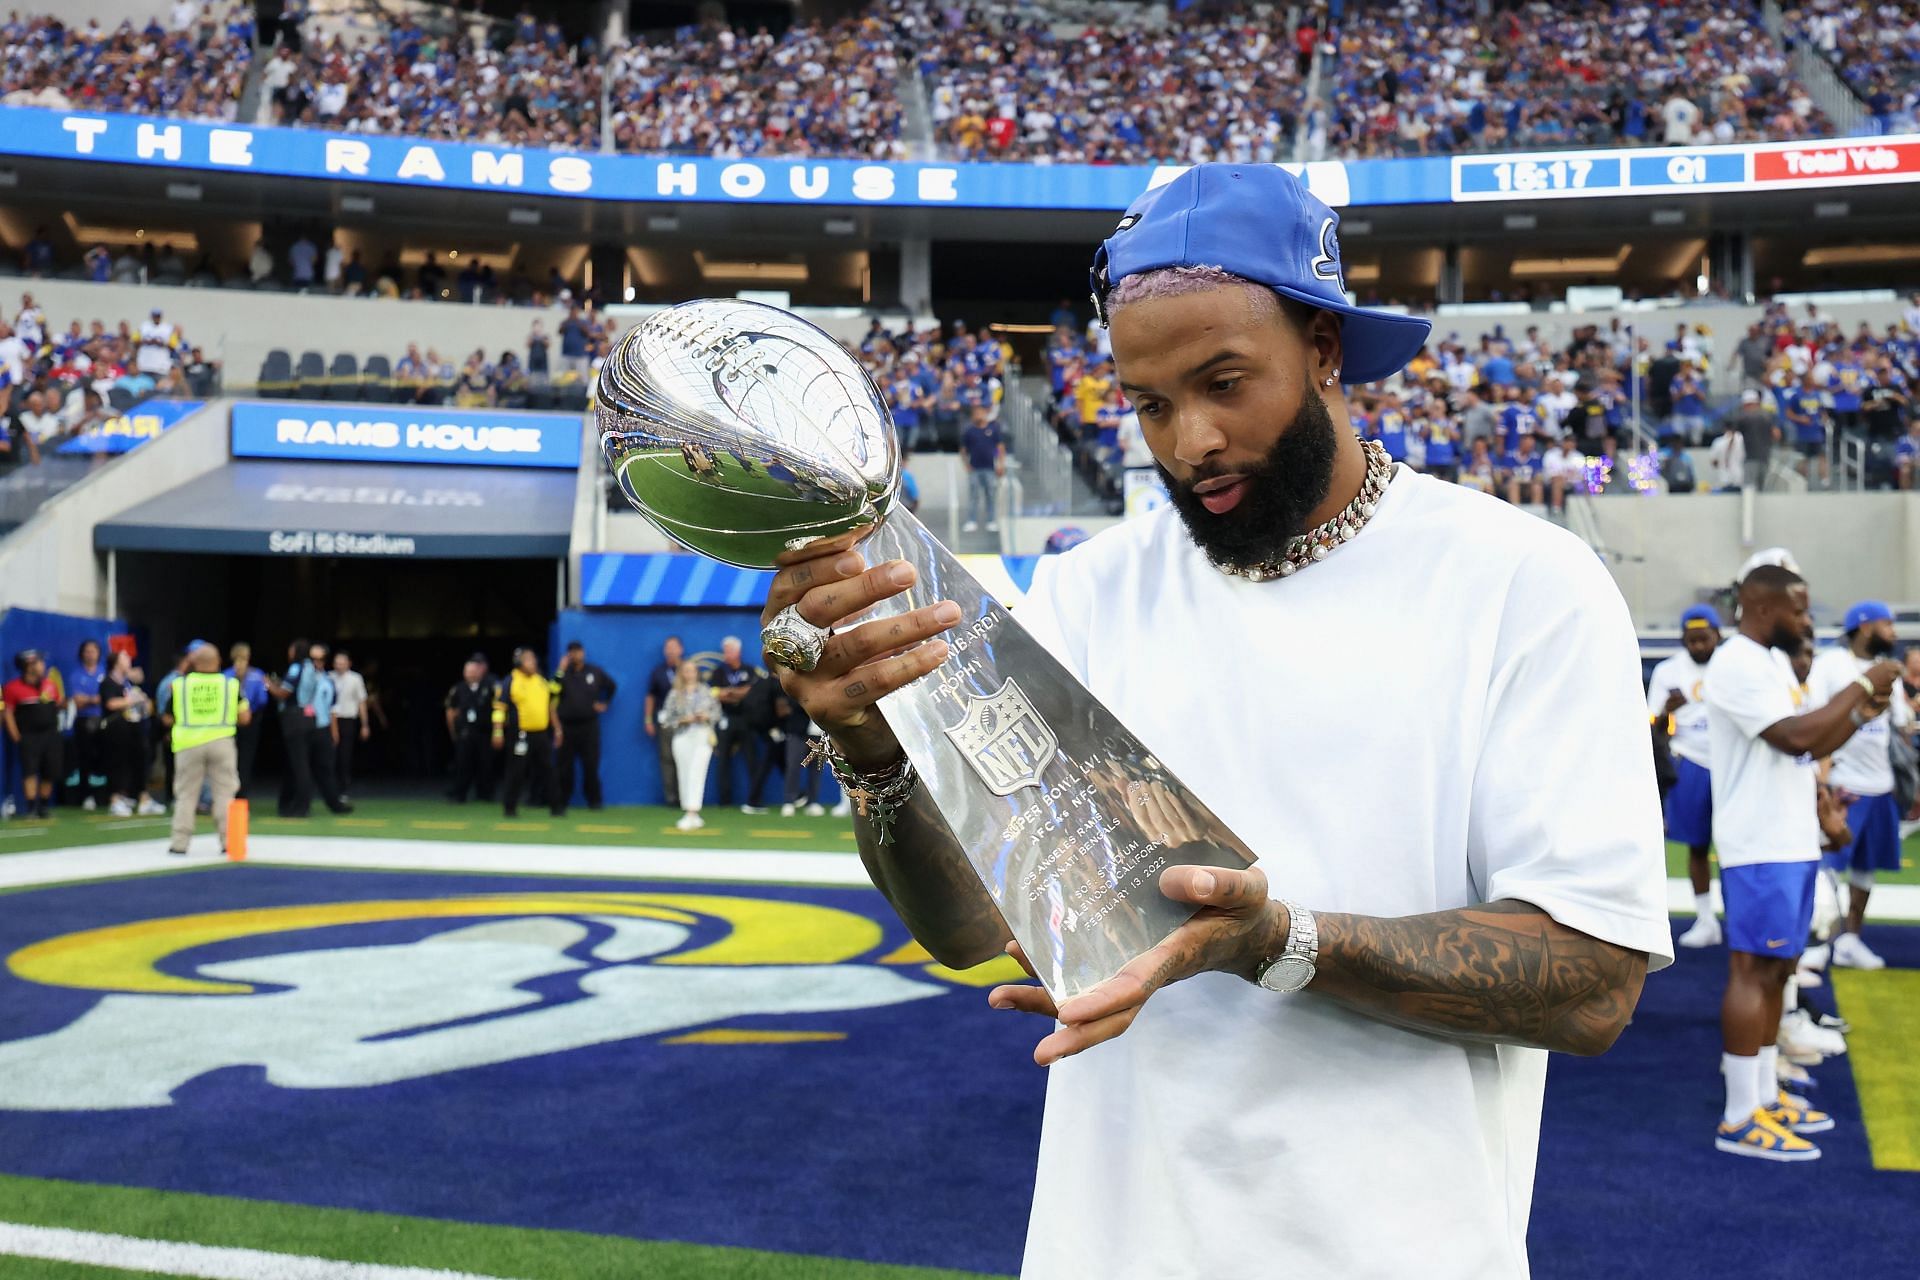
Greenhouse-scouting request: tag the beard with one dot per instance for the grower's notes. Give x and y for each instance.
(1787, 637)
(1282, 493)
(1878, 646)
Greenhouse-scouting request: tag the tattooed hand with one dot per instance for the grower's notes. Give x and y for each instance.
(1235, 929)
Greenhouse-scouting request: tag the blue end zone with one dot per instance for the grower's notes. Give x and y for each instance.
(910, 1141)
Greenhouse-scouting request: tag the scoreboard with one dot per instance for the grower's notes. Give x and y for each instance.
(1559, 175)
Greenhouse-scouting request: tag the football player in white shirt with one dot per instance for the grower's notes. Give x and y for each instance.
(1674, 701)
(1862, 772)
(1766, 830)
(1230, 1104)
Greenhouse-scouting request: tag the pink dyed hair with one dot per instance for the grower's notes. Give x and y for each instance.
(1177, 282)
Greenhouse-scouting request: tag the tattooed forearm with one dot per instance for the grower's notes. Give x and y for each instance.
(926, 876)
(1504, 972)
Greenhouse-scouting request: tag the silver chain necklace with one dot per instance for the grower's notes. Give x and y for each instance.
(1315, 543)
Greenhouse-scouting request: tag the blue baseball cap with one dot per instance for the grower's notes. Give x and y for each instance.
(1867, 611)
(1260, 222)
(1701, 615)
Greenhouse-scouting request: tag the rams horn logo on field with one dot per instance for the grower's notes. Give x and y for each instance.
(1326, 266)
(506, 978)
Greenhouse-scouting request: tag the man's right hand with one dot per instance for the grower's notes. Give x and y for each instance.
(831, 582)
(1883, 674)
(1676, 700)
(652, 729)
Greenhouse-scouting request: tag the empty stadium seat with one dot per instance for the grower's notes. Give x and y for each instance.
(376, 380)
(343, 378)
(310, 376)
(276, 375)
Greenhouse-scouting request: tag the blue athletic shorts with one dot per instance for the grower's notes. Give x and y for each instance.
(1690, 804)
(1875, 823)
(1769, 906)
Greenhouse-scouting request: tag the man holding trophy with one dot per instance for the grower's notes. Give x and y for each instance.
(1328, 1063)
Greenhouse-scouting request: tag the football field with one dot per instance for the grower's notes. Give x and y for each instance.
(422, 1041)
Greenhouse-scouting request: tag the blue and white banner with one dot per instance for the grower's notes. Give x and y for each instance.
(344, 432)
(454, 166)
(682, 580)
(132, 429)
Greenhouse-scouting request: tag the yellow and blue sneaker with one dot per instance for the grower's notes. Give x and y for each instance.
(1762, 1137)
(1796, 1115)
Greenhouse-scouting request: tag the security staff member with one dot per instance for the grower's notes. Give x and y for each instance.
(585, 691)
(295, 693)
(470, 724)
(523, 724)
(205, 709)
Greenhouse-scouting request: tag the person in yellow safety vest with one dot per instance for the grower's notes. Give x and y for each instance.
(204, 710)
(524, 724)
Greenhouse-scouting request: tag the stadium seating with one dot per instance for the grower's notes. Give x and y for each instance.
(1400, 78)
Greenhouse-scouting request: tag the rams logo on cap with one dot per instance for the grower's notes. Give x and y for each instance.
(1326, 266)
(1127, 223)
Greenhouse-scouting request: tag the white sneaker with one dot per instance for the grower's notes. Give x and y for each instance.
(1808, 979)
(89, 805)
(685, 823)
(698, 822)
(149, 807)
(993, 526)
(1851, 953)
(1800, 1027)
(843, 809)
(120, 808)
(971, 526)
(1705, 932)
(1816, 957)
(752, 808)
(1792, 1076)
(816, 810)
(786, 811)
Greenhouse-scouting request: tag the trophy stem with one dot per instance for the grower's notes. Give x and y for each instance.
(1041, 785)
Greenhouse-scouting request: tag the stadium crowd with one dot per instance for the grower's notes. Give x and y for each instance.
(1874, 47)
(1419, 79)
(194, 65)
(1402, 79)
(1531, 420)
(55, 383)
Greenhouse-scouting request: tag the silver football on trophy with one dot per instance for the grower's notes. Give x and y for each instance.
(739, 428)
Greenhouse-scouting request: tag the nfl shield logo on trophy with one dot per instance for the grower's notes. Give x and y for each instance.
(1004, 739)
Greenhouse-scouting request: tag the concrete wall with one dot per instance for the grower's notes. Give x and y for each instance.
(49, 562)
(1850, 546)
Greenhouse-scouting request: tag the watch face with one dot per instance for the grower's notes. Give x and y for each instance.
(1288, 973)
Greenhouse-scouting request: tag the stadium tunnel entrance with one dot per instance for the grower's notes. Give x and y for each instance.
(410, 570)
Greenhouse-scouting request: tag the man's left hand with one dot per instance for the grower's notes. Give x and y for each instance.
(599, 707)
(1236, 928)
(366, 731)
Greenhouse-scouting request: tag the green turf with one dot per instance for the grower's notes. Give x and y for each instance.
(348, 1235)
(1908, 874)
(41, 1269)
(433, 819)
(1884, 1008)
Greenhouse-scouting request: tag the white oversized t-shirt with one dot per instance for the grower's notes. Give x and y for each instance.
(1861, 765)
(1763, 798)
(1690, 738)
(1493, 747)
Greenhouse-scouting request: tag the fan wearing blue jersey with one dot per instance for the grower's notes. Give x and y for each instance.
(1675, 701)
(1517, 419)
(1390, 427)
(1806, 416)
(1523, 473)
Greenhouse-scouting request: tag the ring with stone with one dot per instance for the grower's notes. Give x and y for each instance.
(790, 641)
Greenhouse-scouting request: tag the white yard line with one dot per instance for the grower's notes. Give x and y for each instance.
(747, 866)
(1890, 902)
(130, 1253)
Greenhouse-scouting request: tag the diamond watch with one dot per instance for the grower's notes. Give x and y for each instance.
(1294, 967)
